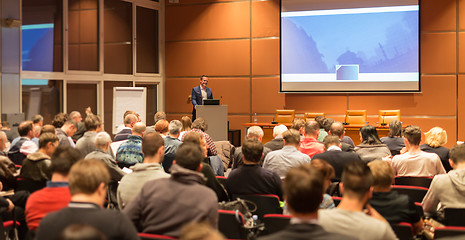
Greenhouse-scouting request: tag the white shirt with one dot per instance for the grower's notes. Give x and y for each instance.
(204, 92)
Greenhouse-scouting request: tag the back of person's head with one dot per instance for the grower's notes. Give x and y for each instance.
(138, 128)
(3, 137)
(357, 179)
(186, 123)
(189, 155)
(92, 122)
(162, 126)
(327, 122)
(303, 189)
(255, 132)
(130, 119)
(279, 130)
(151, 142)
(37, 118)
(369, 135)
(70, 122)
(383, 173)
(297, 124)
(412, 134)
(59, 120)
(127, 113)
(331, 140)
(291, 137)
(46, 138)
(5, 124)
(311, 128)
(200, 231)
(159, 116)
(81, 232)
(24, 128)
(436, 137)
(324, 167)
(102, 139)
(175, 127)
(395, 128)
(36, 129)
(457, 153)
(86, 176)
(193, 137)
(252, 150)
(200, 123)
(337, 128)
(319, 120)
(74, 115)
(48, 128)
(63, 159)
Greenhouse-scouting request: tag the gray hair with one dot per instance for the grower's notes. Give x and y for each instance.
(174, 127)
(74, 114)
(279, 130)
(255, 131)
(102, 139)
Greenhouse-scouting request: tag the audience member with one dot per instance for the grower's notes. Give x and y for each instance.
(335, 156)
(81, 128)
(130, 152)
(337, 129)
(277, 142)
(371, 148)
(163, 206)
(327, 123)
(435, 139)
(303, 190)
(186, 126)
(200, 231)
(309, 144)
(88, 180)
(160, 115)
(200, 125)
(251, 178)
(102, 146)
(171, 144)
(394, 140)
(8, 174)
(416, 162)
(327, 171)
(93, 124)
(24, 146)
(81, 232)
(65, 132)
(162, 127)
(254, 132)
(447, 190)
(3, 144)
(36, 134)
(38, 120)
(349, 217)
(10, 133)
(56, 195)
(394, 207)
(60, 119)
(129, 121)
(321, 130)
(280, 161)
(299, 125)
(149, 169)
(48, 128)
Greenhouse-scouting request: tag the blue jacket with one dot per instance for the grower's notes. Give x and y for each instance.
(197, 95)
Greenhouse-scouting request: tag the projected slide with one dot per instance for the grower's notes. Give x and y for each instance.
(351, 49)
(37, 47)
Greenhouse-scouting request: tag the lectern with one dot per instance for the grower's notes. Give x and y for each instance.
(217, 120)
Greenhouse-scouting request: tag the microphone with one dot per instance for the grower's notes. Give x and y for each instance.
(345, 119)
(221, 100)
(383, 123)
(273, 122)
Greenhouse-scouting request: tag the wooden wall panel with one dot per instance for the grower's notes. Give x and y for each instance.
(219, 58)
(327, 103)
(177, 92)
(265, 21)
(265, 57)
(265, 95)
(426, 124)
(193, 2)
(187, 22)
(438, 52)
(461, 46)
(438, 15)
(461, 17)
(461, 107)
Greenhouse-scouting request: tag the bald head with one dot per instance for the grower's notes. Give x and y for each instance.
(337, 129)
(311, 129)
(130, 120)
(139, 129)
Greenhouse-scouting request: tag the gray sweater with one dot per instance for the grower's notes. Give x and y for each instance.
(369, 153)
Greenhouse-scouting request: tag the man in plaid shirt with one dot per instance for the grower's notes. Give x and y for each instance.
(200, 126)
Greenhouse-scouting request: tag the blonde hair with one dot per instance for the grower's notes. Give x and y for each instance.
(436, 137)
(383, 173)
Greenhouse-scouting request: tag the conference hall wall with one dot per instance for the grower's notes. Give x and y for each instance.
(237, 44)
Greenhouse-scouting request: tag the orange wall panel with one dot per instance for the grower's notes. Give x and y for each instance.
(329, 104)
(177, 91)
(438, 52)
(265, 18)
(265, 57)
(438, 15)
(461, 52)
(219, 58)
(461, 107)
(461, 16)
(188, 22)
(265, 95)
(448, 124)
(193, 2)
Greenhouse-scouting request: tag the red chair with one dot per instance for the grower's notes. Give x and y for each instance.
(222, 180)
(419, 208)
(275, 223)
(416, 194)
(440, 232)
(403, 230)
(9, 230)
(413, 181)
(336, 200)
(149, 236)
(454, 217)
(266, 203)
(231, 224)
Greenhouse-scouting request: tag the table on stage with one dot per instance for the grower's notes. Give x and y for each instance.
(352, 130)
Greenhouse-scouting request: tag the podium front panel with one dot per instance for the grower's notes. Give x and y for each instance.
(217, 120)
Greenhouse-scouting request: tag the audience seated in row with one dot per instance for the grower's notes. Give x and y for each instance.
(171, 143)
(309, 144)
(277, 142)
(200, 126)
(394, 140)
(337, 129)
(327, 172)
(130, 152)
(371, 148)
(434, 139)
(129, 120)
(19, 151)
(254, 132)
(85, 144)
(160, 115)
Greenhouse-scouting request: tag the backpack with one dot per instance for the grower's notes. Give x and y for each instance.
(14, 153)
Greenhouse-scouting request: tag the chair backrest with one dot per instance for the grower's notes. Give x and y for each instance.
(440, 232)
(356, 117)
(386, 116)
(311, 116)
(231, 224)
(416, 194)
(149, 236)
(284, 116)
(266, 203)
(413, 181)
(403, 230)
(336, 200)
(419, 208)
(275, 223)
(454, 216)
(222, 180)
